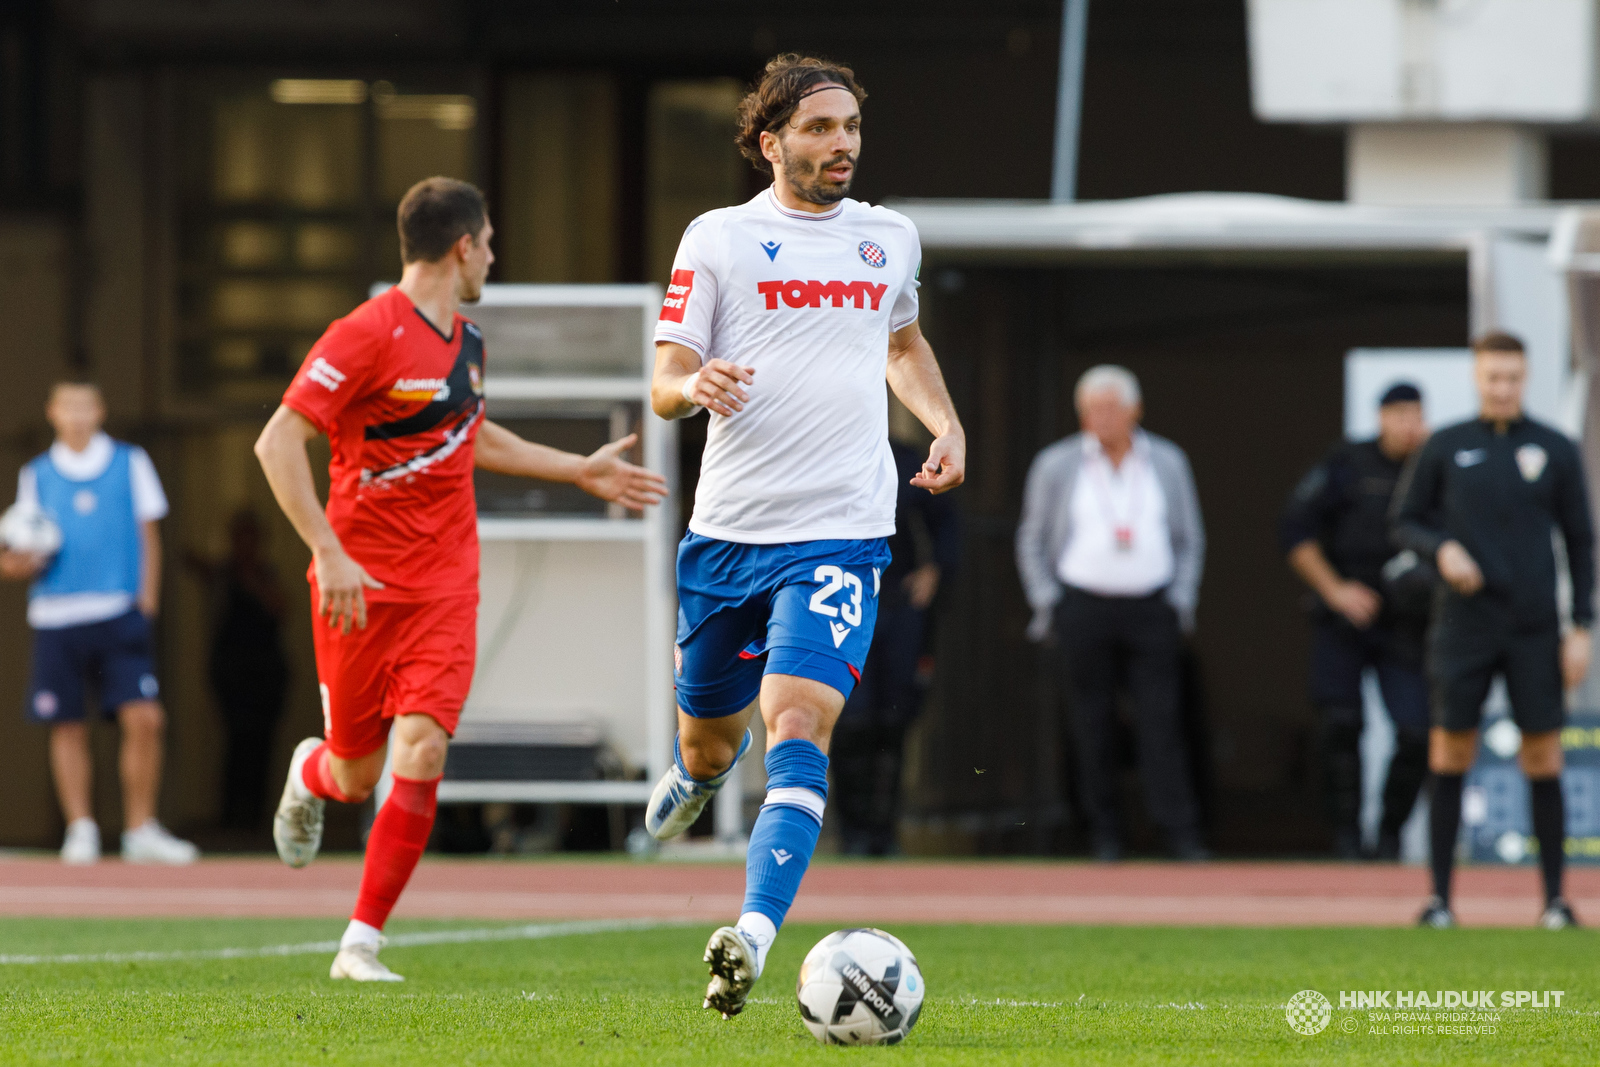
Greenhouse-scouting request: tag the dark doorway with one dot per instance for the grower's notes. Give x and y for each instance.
(1242, 365)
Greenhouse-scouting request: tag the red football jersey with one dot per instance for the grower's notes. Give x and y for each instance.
(401, 405)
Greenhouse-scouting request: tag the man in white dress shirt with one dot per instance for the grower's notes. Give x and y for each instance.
(1110, 549)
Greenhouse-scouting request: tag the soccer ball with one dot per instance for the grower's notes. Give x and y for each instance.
(26, 528)
(860, 987)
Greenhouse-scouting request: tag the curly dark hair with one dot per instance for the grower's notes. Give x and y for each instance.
(773, 100)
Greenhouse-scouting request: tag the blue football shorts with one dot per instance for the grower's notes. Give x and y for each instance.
(744, 611)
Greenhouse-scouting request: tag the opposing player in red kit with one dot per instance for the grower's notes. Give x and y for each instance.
(397, 387)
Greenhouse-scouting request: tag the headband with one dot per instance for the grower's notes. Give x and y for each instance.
(789, 113)
(820, 89)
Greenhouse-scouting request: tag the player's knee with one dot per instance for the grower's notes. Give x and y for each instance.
(1451, 751)
(144, 717)
(421, 757)
(1540, 756)
(355, 781)
(706, 757)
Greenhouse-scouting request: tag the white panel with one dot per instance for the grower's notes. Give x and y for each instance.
(1529, 300)
(1324, 60)
(1443, 374)
(1525, 59)
(1388, 60)
(559, 632)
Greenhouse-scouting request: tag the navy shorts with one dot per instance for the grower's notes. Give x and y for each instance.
(114, 655)
(1339, 655)
(805, 609)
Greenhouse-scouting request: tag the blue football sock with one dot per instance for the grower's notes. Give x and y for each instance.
(786, 830)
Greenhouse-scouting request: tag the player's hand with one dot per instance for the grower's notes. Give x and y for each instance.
(341, 586)
(1457, 567)
(1575, 648)
(18, 565)
(149, 603)
(607, 475)
(1356, 601)
(921, 585)
(719, 386)
(946, 467)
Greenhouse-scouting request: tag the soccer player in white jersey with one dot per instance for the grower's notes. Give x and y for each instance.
(785, 317)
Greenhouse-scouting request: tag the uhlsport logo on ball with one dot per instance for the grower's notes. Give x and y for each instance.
(1308, 1012)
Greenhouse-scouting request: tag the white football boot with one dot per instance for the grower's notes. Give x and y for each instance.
(678, 799)
(733, 971)
(297, 826)
(151, 843)
(82, 844)
(359, 963)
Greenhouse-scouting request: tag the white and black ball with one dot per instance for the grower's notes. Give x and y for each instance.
(26, 528)
(860, 987)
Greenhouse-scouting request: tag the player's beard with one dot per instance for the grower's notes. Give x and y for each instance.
(809, 184)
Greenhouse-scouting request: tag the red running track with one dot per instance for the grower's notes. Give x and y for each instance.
(1221, 894)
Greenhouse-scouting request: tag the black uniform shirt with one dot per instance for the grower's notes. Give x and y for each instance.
(1500, 495)
(1343, 504)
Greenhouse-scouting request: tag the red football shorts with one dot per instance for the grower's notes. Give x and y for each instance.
(412, 659)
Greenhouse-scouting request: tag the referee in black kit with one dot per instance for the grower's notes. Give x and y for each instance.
(1483, 500)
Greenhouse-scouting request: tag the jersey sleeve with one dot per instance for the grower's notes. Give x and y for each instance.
(149, 499)
(27, 487)
(335, 373)
(906, 307)
(691, 301)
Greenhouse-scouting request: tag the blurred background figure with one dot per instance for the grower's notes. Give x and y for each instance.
(1370, 611)
(249, 671)
(1111, 549)
(868, 750)
(90, 607)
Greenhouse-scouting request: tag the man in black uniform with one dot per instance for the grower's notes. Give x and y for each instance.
(1335, 531)
(868, 749)
(1483, 501)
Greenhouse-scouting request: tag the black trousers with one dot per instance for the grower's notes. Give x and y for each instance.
(1112, 643)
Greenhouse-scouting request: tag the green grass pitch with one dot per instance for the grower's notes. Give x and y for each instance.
(1011, 994)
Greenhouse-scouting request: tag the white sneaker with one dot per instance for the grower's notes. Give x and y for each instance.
(297, 826)
(151, 843)
(82, 845)
(733, 971)
(359, 963)
(677, 800)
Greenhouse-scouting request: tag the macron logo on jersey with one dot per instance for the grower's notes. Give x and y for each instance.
(324, 374)
(801, 294)
(677, 299)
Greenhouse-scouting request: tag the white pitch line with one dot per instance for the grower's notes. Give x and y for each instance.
(530, 932)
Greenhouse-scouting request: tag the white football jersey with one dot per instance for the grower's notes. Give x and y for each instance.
(808, 301)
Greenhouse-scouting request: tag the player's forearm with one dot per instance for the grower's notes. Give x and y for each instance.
(150, 565)
(1308, 561)
(915, 378)
(675, 365)
(498, 449)
(281, 448)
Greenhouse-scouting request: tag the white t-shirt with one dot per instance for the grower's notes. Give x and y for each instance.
(149, 504)
(808, 301)
(1121, 545)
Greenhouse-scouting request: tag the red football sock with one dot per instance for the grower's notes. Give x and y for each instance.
(399, 834)
(318, 778)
